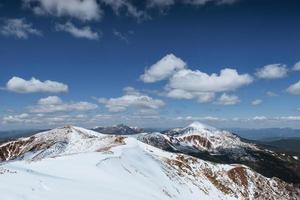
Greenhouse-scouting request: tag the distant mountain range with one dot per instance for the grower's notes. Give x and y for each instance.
(266, 134)
(119, 129)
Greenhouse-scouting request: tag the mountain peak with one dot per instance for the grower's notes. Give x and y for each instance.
(199, 126)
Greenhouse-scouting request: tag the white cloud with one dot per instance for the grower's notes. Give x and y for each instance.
(184, 83)
(119, 5)
(202, 97)
(121, 36)
(289, 118)
(271, 94)
(18, 28)
(256, 102)
(203, 2)
(163, 69)
(83, 32)
(297, 66)
(19, 85)
(197, 81)
(259, 118)
(24, 117)
(131, 99)
(51, 100)
(160, 3)
(273, 71)
(54, 104)
(226, 99)
(84, 10)
(294, 88)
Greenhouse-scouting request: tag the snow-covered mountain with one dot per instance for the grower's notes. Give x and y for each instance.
(75, 163)
(205, 138)
(211, 144)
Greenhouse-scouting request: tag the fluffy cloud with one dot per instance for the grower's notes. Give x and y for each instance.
(202, 97)
(226, 99)
(19, 85)
(54, 104)
(297, 66)
(256, 102)
(16, 118)
(18, 28)
(294, 89)
(131, 99)
(163, 69)
(81, 9)
(273, 71)
(197, 81)
(84, 32)
(51, 100)
(184, 83)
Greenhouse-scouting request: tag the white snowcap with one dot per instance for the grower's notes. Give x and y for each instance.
(200, 126)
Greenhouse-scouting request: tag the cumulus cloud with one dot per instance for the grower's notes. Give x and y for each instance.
(294, 88)
(184, 83)
(83, 32)
(202, 97)
(51, 100)
(273, 71)
(131, 99)
(297, 66)
(34, 120)
(84, 10)
(18, 28)
(163, 69)
(226, 99)
(198, 81)
(19, 85)
(54, 104)
(16, 118)
(256, 102)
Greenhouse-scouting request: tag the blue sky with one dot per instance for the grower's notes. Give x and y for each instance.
(95, 52)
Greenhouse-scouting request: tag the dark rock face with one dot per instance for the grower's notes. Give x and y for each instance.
(13, 149)
(120, 129)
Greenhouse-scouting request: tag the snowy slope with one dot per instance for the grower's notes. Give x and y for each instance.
(96, 166)
(206, 138)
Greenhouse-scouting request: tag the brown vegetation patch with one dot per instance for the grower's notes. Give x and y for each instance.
(181, 163)
(213, 179)
(239, 176)
(204, 142)
(120, 139)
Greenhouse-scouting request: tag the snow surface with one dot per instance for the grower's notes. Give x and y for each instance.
(131, 171)
(83, 164)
